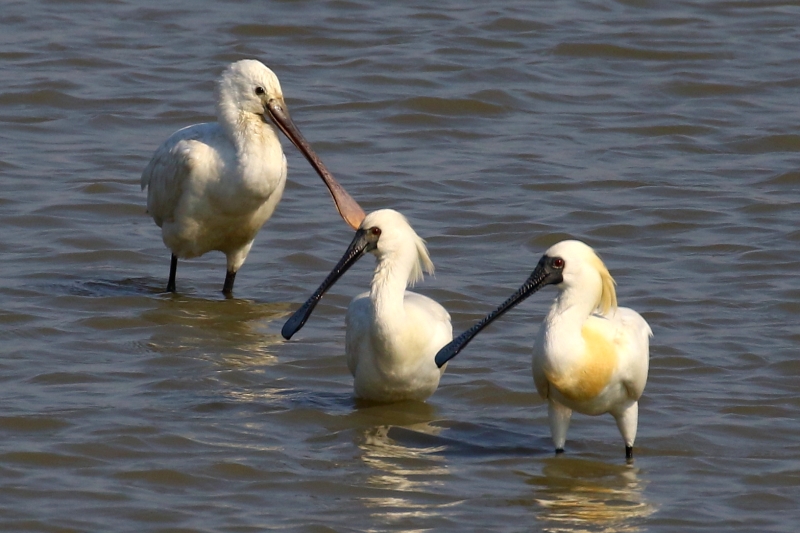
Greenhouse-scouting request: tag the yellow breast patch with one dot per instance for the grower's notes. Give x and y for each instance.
(590, 375)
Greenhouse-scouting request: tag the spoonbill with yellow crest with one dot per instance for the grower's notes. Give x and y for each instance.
(392, 334)
(590, 356)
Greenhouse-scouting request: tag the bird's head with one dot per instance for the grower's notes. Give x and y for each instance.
(580, 269)
(249, 87)
(391, 238)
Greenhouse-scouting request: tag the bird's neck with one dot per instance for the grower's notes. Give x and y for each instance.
(388, 287)
(561, 335)
(248, 131)
(259, 155)
(253, 135)
(569, 312)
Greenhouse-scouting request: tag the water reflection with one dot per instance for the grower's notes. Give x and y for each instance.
(578, 495)
(404, 465)
(232, 332)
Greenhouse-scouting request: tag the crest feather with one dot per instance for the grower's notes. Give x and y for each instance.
(608, 296)
(423, 263)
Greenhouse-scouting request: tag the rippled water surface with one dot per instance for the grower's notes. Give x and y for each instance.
(663, 134)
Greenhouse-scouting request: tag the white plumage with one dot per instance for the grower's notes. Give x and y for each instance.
(392, 334)
(589, 356)
(212, 186)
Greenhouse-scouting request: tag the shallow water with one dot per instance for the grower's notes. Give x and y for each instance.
(666, 137)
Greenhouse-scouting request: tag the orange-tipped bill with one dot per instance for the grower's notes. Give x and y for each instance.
(348, 208)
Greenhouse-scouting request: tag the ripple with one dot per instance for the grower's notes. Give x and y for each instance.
(47, 459)
(24, 424)
(605, 50)
(667, 138)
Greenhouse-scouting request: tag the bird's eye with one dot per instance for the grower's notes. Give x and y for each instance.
(260, 91)
(376, 231)
(558, 263)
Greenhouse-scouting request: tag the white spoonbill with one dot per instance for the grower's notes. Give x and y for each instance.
(392, 334)
(212, 186)
(590, 356)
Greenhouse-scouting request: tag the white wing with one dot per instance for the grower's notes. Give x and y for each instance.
(174, 162)
(433, 321)
(633, 338)
(358, 322)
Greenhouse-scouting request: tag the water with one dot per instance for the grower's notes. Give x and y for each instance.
(666, 136)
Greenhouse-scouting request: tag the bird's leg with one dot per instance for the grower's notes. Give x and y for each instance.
(627, 421)
(558, 416)
(227, 288)
(173, 267)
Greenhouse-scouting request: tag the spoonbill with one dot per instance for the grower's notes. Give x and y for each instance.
(590, 356)
(212, 186)
(392, 334)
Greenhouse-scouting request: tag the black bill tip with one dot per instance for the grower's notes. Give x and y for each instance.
(296, 321)
(445, 354)
(357, 248)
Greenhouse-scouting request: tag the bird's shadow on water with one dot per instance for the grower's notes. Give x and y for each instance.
(420, 425)
(470, 440)
(101, 288)
(144, 286)
(454, 438)
(106, 288)
(217, 313)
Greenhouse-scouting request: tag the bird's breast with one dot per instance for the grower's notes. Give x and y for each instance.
(583, 375)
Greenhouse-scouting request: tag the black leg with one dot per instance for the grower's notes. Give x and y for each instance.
(173, 267)
(628, 452)
(559, 451)
(227, 289)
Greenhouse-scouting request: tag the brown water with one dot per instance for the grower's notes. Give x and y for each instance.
(665, 135)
